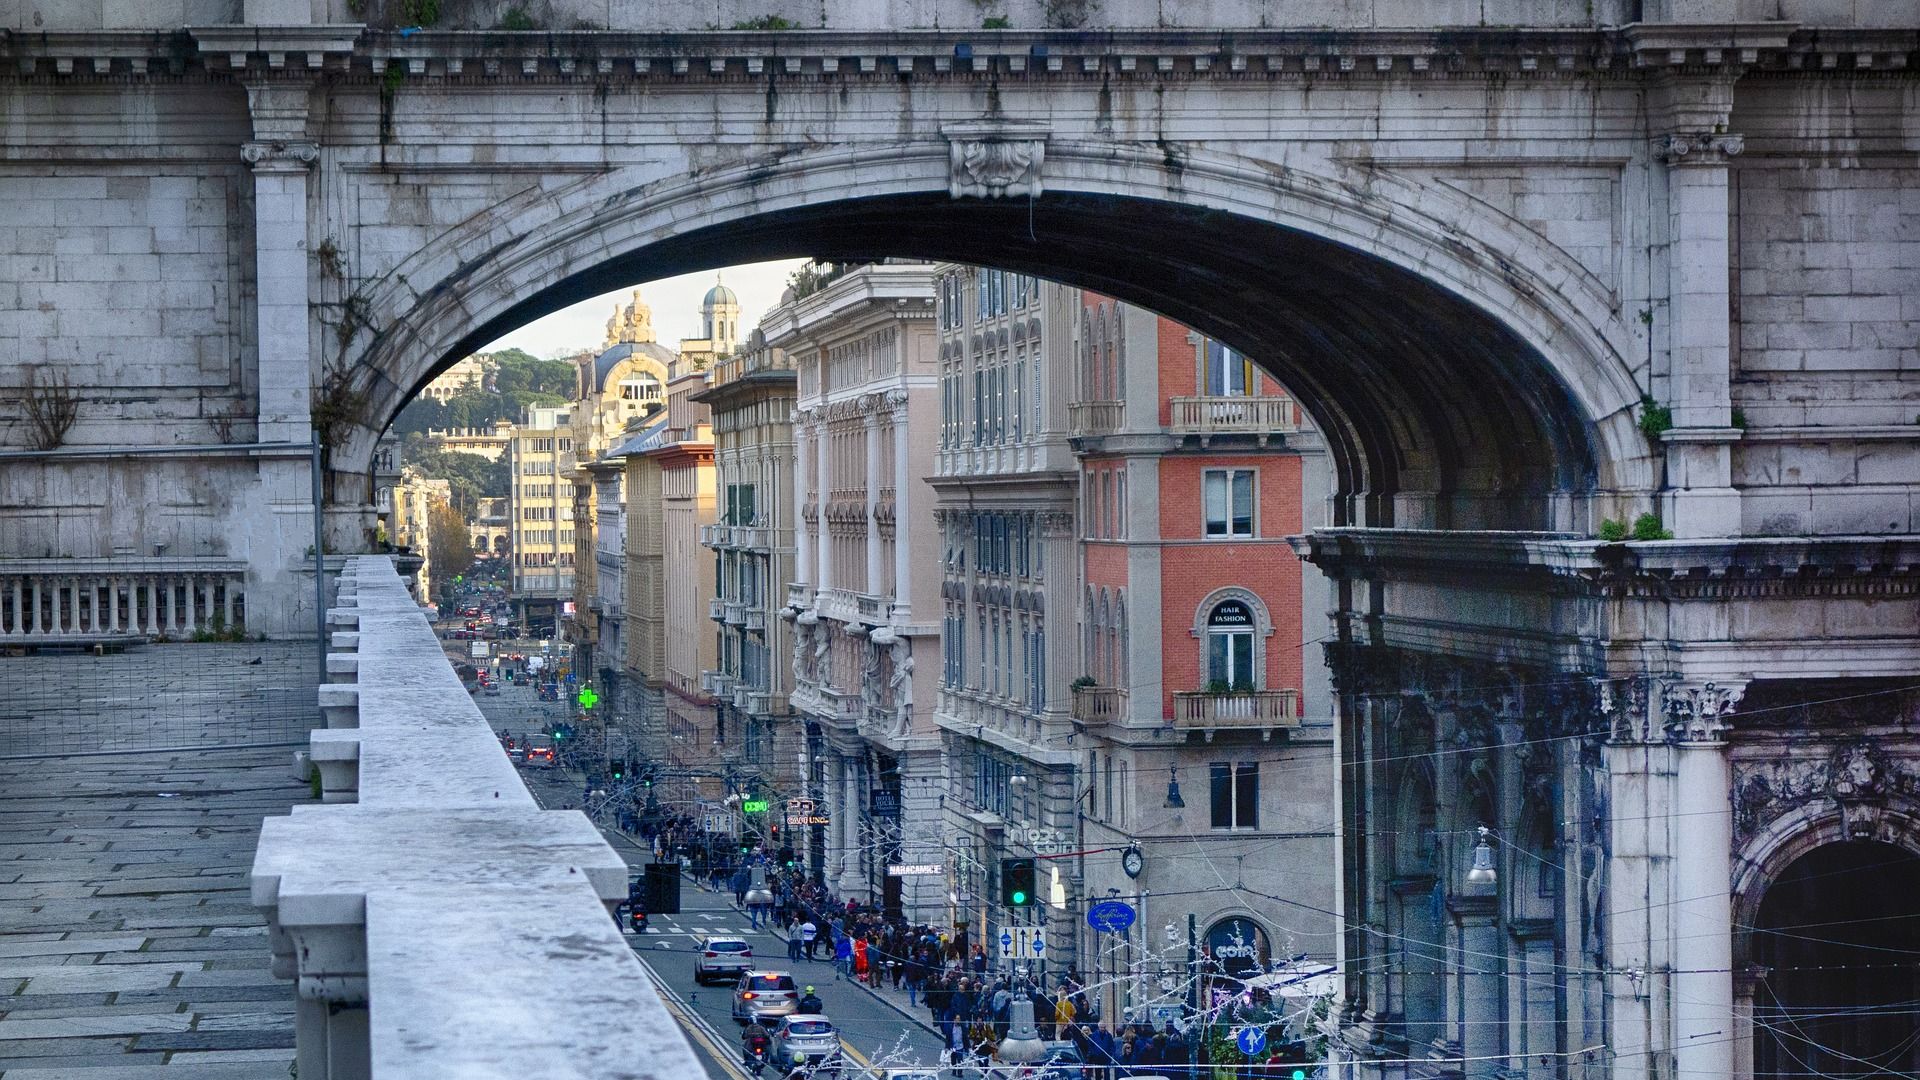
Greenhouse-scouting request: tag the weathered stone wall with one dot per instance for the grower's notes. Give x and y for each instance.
(126, 258)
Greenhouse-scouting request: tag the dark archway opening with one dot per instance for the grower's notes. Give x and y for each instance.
(1838, 939)
(1435, 413)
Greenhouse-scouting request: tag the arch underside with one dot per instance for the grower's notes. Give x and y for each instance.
(1435, 413)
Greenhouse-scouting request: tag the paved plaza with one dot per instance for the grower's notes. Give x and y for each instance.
(128, 945)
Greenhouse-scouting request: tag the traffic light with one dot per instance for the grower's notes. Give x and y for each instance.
(646, 777)
(1016, 882)
(786, 858)
(619, 769)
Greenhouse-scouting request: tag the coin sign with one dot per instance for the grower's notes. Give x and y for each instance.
(1111, 916)
(1250, 1040)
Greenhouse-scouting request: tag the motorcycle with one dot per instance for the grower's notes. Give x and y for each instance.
(637, 920)
(757, 1060)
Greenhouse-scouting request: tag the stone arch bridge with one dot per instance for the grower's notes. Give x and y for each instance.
(1533, 266)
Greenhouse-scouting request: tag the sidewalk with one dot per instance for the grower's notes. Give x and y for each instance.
(129, 944)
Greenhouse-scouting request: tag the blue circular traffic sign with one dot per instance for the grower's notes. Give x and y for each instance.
(1250, 1040)
(1110, 916)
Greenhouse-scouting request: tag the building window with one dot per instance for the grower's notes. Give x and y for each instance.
(1229, 502)
(1230, 630)
(1236, 795)
(1228, 374)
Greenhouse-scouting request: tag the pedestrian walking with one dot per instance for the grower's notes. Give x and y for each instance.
(809, 933)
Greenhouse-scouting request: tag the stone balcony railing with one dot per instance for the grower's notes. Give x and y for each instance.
(799, 595)
(1207, 417)
(95, 600)
(754, 618)
(733, 612)
(432, 915)
(716, 609)
(1250, 710)
(716, 536)
(1096, 417)
(1096, 705)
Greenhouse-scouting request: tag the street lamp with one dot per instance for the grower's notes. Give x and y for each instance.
(1482, 872)
(1174, 801)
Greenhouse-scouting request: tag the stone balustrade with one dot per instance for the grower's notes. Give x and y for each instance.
(432, 917)
(1209, 416)
(95, 600)
(1096, 417)
(1096, 705)
(1263, 709)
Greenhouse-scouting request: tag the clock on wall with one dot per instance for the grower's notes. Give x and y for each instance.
(1131, 862)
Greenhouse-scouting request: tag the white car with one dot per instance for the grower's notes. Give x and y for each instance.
(722, 958)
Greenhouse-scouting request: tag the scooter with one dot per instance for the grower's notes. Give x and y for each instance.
(637, 920)
(757, 1060)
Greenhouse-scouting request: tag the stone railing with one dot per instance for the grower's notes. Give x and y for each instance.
(1246, 709)
(754, 618)
(1211, 416)
(799, 595)
(716, 536)
(716, 609)
(1096, 417)
(1094, 705)
(733, 612)
(83, 600)
(431, 918)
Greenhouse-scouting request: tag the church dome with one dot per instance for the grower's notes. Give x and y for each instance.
(719, 295)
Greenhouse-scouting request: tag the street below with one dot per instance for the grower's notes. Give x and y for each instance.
(874, 1035)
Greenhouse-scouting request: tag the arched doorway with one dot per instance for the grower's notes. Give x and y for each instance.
(1836, 948)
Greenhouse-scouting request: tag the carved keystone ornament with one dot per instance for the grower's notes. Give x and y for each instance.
(995, 160)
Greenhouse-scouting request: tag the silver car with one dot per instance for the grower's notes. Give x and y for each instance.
(762, 996)
(805, 1039)
(722, 958)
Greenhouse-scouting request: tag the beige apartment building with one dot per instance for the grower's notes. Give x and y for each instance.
(467, 374)
(865, 596)
(488, 443)
(669, 639)
(410, 523)
(491, 528)
(751, 395)
(541, 512)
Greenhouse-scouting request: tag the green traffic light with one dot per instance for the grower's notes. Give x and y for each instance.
(1019, 897)
(1299, 1074)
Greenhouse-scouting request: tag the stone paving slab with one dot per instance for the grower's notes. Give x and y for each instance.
(129, 947)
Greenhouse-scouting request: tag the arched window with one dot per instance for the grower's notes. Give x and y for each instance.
(1231, 626)
(1230, 638)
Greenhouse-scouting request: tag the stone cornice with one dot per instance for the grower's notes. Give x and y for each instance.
(1668, 570)
(1156, 55)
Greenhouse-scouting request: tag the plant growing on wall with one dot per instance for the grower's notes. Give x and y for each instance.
(1655, 418)
(49, 404)
(767, 22)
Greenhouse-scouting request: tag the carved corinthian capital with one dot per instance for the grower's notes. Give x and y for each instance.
(1698, 712)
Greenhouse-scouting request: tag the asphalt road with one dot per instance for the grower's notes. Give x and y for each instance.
(873, 1033)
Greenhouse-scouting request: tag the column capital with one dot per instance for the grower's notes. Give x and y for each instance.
(277, 156)
(1698, 148)
(1698, 712)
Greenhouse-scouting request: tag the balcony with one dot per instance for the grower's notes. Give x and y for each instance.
(50, 601)
(871, 608)
(735, 612)
(716, 536)
(766, 703)
(716, 609)
(1251, 710)
(717, 683)
(356, 898)
(1095, 417)
(1207, 417)
(750, 536)
(799, 595)
(1097, 705)
(754, 618)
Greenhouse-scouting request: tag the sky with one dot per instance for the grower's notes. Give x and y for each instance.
(676, 310)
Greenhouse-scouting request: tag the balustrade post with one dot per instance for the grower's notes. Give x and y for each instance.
(168, 620)
(227, 595)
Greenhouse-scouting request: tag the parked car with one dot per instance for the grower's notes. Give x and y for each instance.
(805, 1039)
(761, 996)
(722, 958)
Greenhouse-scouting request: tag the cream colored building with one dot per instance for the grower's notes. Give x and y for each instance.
(488, 443)
(491, 528)
(865, 598)
(669, 641)
(411, 521)
(541, 512)
(752, 397)
(719, 330)
(468, 374)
